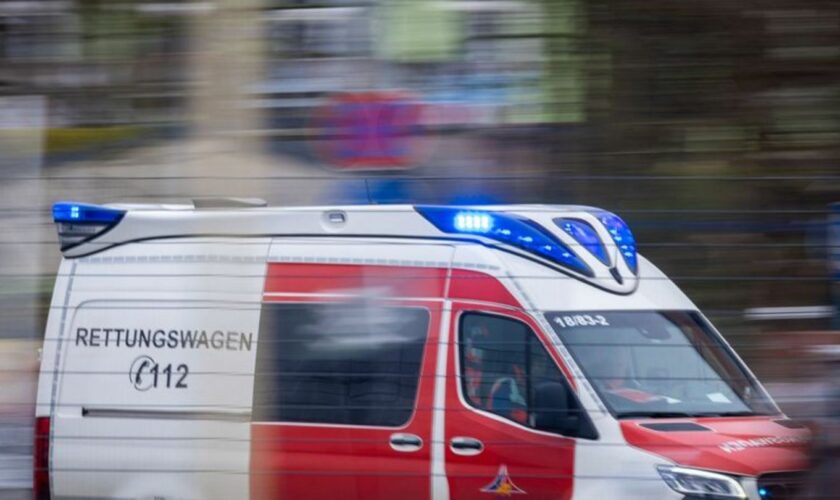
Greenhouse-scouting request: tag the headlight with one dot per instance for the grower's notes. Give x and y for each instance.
(699, 483)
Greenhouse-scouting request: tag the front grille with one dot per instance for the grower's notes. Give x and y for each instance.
(781, 485)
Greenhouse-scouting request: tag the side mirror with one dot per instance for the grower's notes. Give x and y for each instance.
(551, 407)
(555, 410)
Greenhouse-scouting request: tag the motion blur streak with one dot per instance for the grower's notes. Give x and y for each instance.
(712, 126)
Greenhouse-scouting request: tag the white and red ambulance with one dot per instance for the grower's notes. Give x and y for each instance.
(388, 352)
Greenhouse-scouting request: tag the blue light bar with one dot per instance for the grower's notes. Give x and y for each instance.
(586, 235)
(508, 229)
(81, 222)
(82, 213)
(622, 236)
(473, 222)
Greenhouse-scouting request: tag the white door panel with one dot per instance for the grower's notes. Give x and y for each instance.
(155, 401)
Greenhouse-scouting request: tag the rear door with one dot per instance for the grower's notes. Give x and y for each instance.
(154, 363)
(345, 373)
(501, 435)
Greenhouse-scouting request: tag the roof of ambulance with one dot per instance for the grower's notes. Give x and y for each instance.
(633, 285)
(531, 207)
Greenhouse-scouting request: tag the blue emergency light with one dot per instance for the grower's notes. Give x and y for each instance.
(64, 211)
(80, 222)
(586, 235)
(505, 228)
(622, 236)
(473, 222)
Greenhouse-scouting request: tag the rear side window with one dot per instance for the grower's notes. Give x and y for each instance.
(342, 363)
(505, 370)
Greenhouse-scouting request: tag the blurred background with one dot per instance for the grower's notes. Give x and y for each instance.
(711, 126)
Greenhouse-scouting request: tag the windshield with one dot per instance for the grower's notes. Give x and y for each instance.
(659, 364)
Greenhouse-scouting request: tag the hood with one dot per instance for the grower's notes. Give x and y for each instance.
(748, 446)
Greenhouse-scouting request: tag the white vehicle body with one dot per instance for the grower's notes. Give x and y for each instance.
(147, 384)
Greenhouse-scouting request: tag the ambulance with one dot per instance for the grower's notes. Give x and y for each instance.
(230, 350)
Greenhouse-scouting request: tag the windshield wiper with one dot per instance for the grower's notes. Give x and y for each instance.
(653, 414)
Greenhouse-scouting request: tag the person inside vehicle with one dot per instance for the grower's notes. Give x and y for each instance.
(507, 395)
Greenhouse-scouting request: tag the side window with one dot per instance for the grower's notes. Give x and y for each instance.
(505, 370)
(353, 364)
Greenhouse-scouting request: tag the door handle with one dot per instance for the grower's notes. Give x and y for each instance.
(466, 446)
(405, 442)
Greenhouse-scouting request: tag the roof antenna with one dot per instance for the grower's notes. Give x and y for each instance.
(367, 192)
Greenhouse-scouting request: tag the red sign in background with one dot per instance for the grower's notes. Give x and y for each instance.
(371, 131)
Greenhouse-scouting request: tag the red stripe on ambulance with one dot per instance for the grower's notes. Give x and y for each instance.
(341, 278)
